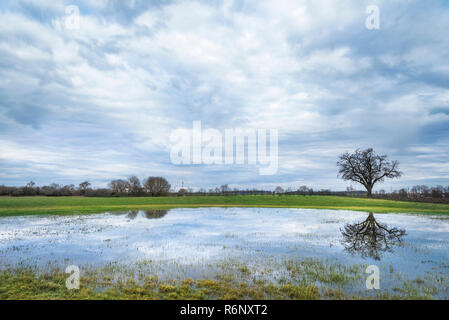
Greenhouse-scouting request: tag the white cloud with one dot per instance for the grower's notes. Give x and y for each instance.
(77, 101)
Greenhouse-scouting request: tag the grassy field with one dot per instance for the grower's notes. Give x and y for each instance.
(297, 279)
(10, 206)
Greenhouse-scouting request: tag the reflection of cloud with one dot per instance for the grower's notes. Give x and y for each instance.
(191, 235)
(100, 103)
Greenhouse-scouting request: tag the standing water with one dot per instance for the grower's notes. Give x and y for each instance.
(198, 243)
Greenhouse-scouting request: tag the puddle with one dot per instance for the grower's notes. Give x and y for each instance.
(192, 242)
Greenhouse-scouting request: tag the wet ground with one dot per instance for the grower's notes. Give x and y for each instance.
(195, 242)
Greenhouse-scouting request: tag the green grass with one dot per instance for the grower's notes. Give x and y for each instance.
(26, 285)
(301, 279)
(10, 206)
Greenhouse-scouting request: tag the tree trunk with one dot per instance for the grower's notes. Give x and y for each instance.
(369, 189)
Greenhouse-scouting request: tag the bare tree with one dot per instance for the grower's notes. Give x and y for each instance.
(31, 184)
(367, 168)
(224, 188)
(83, 186)
(370, 238)
(134, 185)
(157, 186)
(303, 190)
(119, 186)
(279, 190)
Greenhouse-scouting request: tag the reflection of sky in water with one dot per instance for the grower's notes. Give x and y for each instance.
(190, 236)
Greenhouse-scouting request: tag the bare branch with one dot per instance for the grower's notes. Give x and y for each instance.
(367, 168)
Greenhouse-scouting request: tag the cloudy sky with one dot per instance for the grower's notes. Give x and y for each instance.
(100, 101)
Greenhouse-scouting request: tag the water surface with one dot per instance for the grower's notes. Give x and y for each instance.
(190, 242)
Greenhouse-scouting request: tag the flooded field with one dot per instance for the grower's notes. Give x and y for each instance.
(324, 248)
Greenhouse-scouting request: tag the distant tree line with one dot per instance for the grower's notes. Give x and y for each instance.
(159, 186)
(438, 194)
(364, 167)
(423, 193)
(225, 190)
(152, 186)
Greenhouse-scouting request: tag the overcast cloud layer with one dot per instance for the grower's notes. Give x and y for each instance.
(100, 102)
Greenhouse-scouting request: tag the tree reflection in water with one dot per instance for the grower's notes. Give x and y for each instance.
(370, 238)
(149, 214)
